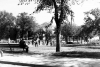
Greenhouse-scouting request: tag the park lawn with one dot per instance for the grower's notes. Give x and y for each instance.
(51, 49)
(46, 55)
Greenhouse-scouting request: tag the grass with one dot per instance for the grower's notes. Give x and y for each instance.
(72, 51)
(52, 57)
(78, 54)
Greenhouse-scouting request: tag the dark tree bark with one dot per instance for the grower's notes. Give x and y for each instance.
(57, 38)
(58, 20)
(57, 27)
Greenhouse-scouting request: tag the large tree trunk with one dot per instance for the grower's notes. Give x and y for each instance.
(57, 38)
(58, 20)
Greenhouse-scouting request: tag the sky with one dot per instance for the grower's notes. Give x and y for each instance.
(13, 7)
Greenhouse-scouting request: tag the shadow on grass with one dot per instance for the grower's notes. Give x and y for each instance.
(24, 64)
(21, 52)
(78, 54)
(12, 52)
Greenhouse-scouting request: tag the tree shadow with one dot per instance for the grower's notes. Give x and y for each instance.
(78, 54)
(19, 52)
(12, 52)
(25, 64)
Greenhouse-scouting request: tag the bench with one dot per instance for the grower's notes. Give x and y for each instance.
(11, 46)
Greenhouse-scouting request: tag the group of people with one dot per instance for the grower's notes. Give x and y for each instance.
(37, 40)
(45, 40)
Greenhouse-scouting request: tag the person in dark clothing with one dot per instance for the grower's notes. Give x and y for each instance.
(23, 45)
(32, 41)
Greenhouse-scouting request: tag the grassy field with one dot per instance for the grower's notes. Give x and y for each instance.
(42, 49)
(46, 56)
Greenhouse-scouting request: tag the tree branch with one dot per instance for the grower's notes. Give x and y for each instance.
(50, 23)
(62, 11)
(56, 11)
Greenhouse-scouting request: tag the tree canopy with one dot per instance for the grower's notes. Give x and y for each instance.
(7, 21)
(25, 23)
(92, 23)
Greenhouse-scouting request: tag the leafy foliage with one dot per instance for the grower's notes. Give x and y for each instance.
(95, 12)
(91, 26)
(25, 23)
(66, 31)
(7, 21)
(94, 25)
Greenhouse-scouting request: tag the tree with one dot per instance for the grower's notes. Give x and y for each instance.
(96, 23)
(61, 11)
(89, 28)
(66, 31)
(7, 21)
(14, 32)
(93, 25)
(25, 23)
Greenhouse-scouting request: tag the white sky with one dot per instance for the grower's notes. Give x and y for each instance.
(11, 6)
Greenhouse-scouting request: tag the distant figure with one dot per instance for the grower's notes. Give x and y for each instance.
(32, 41)
(43, 42)
(36, 42)
(23, 45)
(1, 52)
(40, 39)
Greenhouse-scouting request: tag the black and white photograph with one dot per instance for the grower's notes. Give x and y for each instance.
(49, 33)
